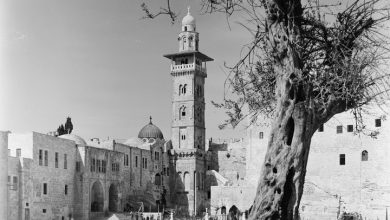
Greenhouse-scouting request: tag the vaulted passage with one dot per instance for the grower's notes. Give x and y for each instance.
(233, 213)
(113, 198)
(97, 197)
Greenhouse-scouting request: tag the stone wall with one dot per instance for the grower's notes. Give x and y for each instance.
(13, 185)
(358, 186)
(228, 196)
(28, 198)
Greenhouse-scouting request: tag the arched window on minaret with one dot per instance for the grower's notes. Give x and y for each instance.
(184, 41)
(180, 87)
(179, 180)
(184, 89)
(182, 112)
(187, 181)
(190, 42)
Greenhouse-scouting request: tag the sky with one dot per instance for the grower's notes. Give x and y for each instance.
(98, 62)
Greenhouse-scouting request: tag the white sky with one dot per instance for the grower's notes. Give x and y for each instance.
(99, 63)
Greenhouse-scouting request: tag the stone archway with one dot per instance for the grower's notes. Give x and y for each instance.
(223, 210)
(233, 213)
(97, 197)
(113, 199)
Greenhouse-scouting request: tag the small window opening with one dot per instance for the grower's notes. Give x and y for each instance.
(261, 135)
(364, 155)
(349, 128)
(342, 159)
(40, 157)
(44, 210)
(183, 111)
(339, 129)
(46, 158)
(45, 189)
(378, 122)
(66, 189)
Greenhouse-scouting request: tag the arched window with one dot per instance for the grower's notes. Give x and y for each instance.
(185, 28)
(182, 112)
(180, 87)
(184, 89)
(223, 210)
(187, 181)
(364, 155)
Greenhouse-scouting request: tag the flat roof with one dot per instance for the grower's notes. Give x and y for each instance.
(197, 54)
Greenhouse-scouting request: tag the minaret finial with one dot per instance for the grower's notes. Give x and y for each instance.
(150, 118)
(188, 9)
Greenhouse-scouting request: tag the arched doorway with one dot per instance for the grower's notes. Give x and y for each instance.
(97, 197)
(223, 210)
(113, 198)
(233, 213)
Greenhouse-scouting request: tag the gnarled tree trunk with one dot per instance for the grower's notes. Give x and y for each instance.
(283, 173)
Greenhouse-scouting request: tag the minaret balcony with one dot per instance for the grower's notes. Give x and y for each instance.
(188, 67)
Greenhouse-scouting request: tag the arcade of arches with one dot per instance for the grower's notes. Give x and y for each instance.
(113, 200)
(97, 197)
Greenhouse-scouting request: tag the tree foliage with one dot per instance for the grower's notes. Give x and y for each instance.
(67, 129)
(342, 50)
(341, 55)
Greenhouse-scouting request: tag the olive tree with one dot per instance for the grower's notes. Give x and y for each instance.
(308, 61)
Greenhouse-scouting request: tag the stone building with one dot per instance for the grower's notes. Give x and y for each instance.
(67, 177)
(188, 71)
(347, 172)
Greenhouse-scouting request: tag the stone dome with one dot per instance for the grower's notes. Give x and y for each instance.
(188, 19)
(78, 140)
(150, 131)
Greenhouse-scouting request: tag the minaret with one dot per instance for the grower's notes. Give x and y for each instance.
(188, 71)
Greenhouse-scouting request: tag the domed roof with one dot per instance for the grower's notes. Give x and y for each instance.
(78, 140)
(150, 131)
(188, 19)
